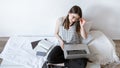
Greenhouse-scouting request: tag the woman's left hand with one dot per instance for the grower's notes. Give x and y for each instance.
(82, 22)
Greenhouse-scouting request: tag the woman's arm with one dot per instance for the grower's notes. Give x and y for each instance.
(82, 30)
(57, 35)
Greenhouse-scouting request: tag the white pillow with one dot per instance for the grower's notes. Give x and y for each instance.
(88, 39)
(88, 26)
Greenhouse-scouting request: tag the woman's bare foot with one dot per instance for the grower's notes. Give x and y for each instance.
(90, 61)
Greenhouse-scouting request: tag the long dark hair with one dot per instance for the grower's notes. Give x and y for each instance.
(77, 10)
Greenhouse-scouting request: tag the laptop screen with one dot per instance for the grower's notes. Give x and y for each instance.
(69, 52)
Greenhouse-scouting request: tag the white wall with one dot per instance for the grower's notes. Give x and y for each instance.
(38, 17)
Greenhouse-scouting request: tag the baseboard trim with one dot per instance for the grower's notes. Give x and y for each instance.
(4, 38)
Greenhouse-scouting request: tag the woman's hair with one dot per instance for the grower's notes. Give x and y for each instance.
(77, 10)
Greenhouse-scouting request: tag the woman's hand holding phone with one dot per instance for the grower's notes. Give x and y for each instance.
(82, 22)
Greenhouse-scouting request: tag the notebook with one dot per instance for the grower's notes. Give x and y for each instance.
(44, 45)
(74, 51)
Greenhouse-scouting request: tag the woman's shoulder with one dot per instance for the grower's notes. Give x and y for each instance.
(60, 20)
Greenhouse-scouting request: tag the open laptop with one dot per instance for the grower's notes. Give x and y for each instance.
(73, 51)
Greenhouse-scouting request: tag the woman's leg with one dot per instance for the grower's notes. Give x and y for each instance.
(56, 55)
(83, 62)
(76, 63)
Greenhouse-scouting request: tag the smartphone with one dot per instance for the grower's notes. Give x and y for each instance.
(39, 53)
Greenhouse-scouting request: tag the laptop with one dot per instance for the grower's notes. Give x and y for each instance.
(74, 51)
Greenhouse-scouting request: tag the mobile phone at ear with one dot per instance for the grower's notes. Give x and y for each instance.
(78, 21)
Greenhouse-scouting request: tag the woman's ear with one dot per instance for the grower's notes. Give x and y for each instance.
(80, 19)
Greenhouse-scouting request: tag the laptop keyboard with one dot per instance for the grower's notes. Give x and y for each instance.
(76, 52)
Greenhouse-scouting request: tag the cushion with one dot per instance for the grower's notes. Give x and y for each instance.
(88, 26)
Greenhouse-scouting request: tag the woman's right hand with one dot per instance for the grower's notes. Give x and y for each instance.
(62, 44)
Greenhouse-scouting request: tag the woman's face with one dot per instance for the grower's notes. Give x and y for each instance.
(73, 17)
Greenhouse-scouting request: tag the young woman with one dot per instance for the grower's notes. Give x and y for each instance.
(69, 29)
